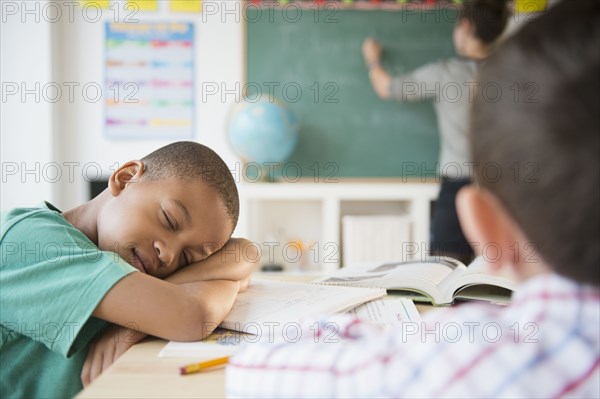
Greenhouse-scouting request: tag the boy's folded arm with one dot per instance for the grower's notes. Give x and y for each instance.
(235, 261)
(185, 312)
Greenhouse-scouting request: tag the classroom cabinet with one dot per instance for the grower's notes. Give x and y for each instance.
(304, 226)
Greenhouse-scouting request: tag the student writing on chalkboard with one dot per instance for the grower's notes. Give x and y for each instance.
(450, 83)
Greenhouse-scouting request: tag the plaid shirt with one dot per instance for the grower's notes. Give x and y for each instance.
(545, 344)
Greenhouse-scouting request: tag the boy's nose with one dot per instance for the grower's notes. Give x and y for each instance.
(165, 256)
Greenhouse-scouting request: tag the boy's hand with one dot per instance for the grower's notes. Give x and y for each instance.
(371, 52)
(107, 348)
(234, 262)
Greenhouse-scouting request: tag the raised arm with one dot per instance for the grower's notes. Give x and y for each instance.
(380, 79)
(421, 84)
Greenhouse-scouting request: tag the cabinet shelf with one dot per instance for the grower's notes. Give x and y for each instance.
(298, 225)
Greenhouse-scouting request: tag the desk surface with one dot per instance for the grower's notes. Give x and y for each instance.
(140, 373)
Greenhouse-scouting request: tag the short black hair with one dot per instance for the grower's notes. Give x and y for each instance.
(189, 161)
(488, 17)
(543, 133)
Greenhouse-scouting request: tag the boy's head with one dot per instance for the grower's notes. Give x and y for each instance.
(189, 161)
(481, 20)
(536, 145)
(173, 207)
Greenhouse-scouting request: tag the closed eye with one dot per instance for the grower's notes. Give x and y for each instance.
(169, 222)
(186, 259)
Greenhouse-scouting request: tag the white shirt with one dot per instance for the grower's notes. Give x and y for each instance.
(545, 344)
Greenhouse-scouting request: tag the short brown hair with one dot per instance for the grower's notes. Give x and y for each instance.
(543, 133)
(188, 160)
(488, 17)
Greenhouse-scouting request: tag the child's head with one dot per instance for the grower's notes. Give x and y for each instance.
(536, 145)
(173, 207)
(189, 161)
(480, 22)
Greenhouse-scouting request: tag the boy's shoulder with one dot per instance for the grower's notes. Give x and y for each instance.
(43, 219)
(459, 67)
(44, 208)
(453, 70)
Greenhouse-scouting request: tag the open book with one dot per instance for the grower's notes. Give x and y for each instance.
(272, 308)
(439, 280)
(383, 312)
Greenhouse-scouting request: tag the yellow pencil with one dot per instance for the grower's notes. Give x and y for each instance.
(196, 367)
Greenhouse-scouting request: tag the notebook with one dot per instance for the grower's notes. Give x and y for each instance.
(271, 307)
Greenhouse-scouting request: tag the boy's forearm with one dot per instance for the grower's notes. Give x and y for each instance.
(234, 262)
(177, 312)
(380, 80)
(216, 299)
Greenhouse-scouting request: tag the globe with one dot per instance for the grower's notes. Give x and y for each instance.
(262, 131)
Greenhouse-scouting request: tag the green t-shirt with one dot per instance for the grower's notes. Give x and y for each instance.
(52, 277)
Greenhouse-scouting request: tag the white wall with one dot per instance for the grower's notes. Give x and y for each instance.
(219, 58)
(25, 123)
(70, 132)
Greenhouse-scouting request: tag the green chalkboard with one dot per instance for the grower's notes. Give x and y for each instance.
(346, 130)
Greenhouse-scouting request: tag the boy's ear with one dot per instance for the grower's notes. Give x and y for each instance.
(469, 27)
(129, 172)
(487, 225)
(465, 26)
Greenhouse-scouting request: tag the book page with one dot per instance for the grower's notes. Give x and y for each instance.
(219, 343)
(270, 307)
(423, 276)
(479, 273)
(387, 312)
(484, 292)
(431, 271)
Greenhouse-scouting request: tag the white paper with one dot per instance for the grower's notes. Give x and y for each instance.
(218, 344)
(387, 312)
(269, 307)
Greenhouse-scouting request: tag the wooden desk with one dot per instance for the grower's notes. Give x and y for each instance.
(140, 373)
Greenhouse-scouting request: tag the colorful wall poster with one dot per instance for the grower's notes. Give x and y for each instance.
(149, 80)
(102, 4)
(186, 6)
(144, 5)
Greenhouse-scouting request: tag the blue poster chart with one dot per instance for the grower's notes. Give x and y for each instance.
(149, 80)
